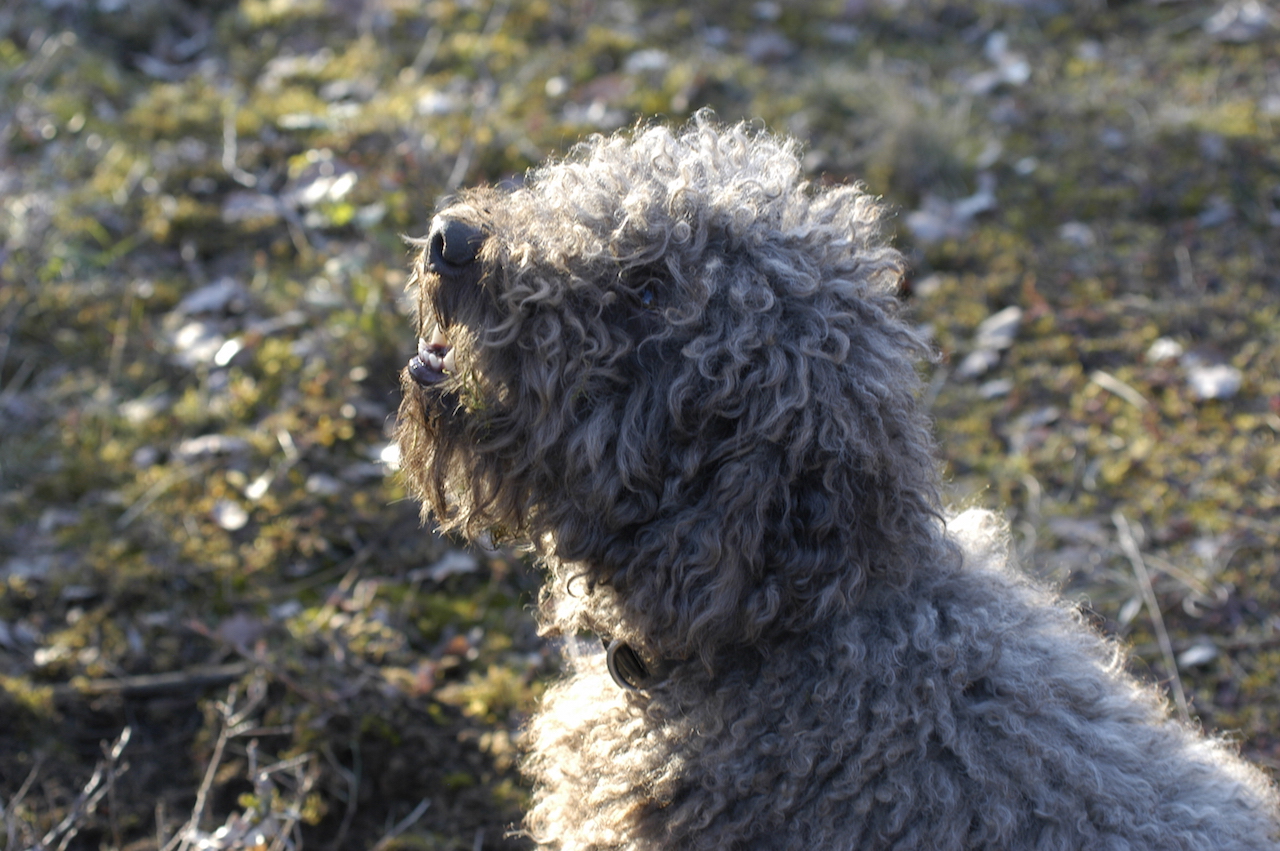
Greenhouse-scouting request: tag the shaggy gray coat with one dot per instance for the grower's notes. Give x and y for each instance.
(681, 373)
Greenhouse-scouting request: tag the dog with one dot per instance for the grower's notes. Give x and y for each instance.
(683, 376)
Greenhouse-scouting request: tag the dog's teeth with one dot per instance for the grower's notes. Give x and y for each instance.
(433, 361)
(438, 338)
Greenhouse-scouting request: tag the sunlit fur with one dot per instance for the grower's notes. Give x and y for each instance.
(683, 376)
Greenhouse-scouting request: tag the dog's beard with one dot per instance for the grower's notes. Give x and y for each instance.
(455, 455)
(423, 434)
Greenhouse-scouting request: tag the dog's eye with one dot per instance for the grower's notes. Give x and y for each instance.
(647, 299)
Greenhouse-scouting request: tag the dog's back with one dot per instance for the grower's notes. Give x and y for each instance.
(971, 711)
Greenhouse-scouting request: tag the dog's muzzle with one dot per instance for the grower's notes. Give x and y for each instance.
(452, 247)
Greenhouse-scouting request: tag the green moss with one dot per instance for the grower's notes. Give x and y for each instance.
(26, 699)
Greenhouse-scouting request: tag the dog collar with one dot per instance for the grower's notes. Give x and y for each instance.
(627, 668)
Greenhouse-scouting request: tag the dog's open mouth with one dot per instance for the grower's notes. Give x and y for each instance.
(434, 360)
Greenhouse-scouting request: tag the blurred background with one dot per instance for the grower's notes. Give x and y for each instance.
(222, 624)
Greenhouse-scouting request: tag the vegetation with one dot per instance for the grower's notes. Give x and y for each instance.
(221, 624)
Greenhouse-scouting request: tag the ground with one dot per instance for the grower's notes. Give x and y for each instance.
(202, 316)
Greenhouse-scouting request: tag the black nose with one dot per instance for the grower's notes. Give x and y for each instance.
(452, 245)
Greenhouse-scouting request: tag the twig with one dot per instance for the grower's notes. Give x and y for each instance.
(162, 823)
(1186, 272)
(230, 146)
(430, 45)
(7, 323)
(497, 17)
(1130, 547)
(1247, 642)
(1110, 383)
(1197, 586)
(352, 777)
(284, 765)
(149, 684)
(113, 757)
(90, 795)
(297, 233)
(493, 23)
(404, 824)
(183, 836)
(304, 780)
(234, 723)
(461, 164)
(936, 382)
(155, 492)
(15, 384)
(10, 816)
(120, 338)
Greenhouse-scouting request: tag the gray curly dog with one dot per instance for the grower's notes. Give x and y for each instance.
(682, 375)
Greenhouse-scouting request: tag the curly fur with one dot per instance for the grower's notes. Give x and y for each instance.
(682, 374)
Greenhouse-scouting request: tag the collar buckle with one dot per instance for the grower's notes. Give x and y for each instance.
(627, 668)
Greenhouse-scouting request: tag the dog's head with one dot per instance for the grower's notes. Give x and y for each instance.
(680, 371)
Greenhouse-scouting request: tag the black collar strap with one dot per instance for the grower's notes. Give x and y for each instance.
(627, 668)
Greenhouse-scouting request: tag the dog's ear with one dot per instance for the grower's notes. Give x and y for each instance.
(747, 485)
